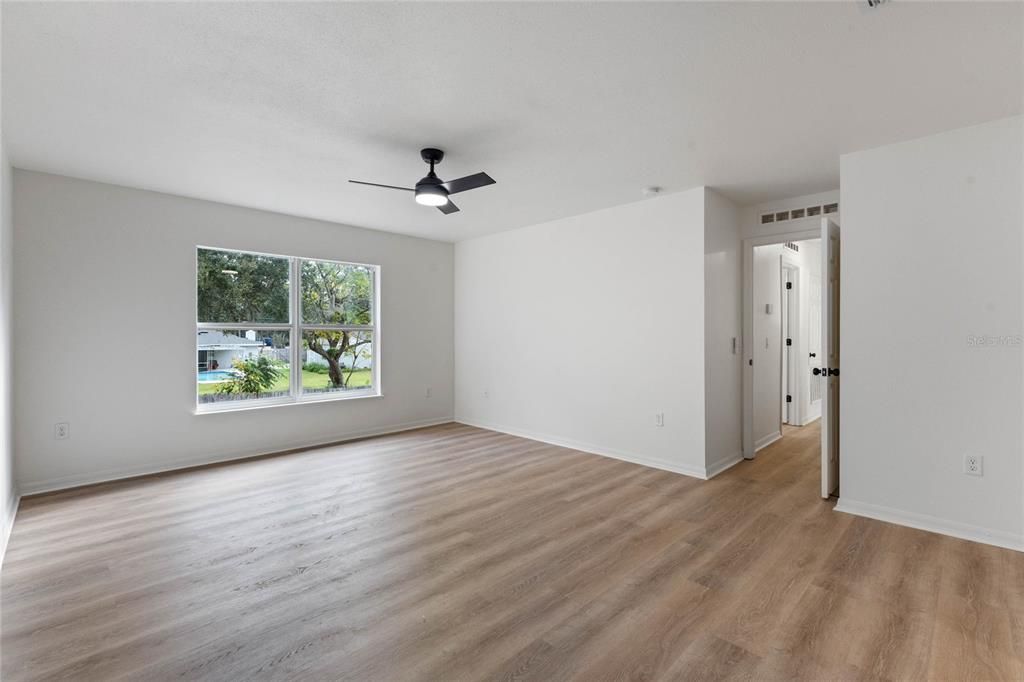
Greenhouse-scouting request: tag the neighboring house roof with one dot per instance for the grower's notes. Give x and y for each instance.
(210, 338)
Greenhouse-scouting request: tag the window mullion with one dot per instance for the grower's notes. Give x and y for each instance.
(296, 317)
(244, 326)
(339, 327)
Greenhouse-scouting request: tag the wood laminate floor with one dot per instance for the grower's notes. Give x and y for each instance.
(454, 553)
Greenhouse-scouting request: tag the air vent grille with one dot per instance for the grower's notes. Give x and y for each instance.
(798, 213)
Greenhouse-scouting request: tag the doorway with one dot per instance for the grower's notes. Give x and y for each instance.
(790, 341)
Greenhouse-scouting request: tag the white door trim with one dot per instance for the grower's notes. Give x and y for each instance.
(794, 356)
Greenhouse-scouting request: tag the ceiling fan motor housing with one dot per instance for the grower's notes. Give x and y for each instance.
(431, 155)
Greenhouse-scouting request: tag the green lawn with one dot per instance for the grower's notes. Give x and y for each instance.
(360, 378)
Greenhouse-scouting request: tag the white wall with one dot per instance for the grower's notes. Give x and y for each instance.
(549, 319)
(8, 490)
(917, 395)
(723, 397)
(96, 263)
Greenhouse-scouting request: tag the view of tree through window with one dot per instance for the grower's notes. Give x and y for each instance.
(245, 327)
(242, 287)
(338, 298)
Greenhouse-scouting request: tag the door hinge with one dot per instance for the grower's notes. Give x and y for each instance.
(789, 342)
(789, 285)
(789, 398)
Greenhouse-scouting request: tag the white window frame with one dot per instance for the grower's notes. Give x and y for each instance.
(295, 327)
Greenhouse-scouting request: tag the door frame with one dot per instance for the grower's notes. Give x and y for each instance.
(748, 320)
(791, 355)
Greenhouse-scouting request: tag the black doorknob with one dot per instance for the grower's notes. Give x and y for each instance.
(816, 371)
(833, 372)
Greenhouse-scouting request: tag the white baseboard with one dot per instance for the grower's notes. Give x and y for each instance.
(933, 524)
(721, 465)
(591, 449)
(105, 476)
(5, 538)
(811, 420)
(765, 441)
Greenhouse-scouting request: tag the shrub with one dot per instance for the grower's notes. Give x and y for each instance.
(314, 367)
(317, 368)
(254, 376)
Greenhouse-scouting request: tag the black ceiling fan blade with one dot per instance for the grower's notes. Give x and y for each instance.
(448, 208)
(467, 183)
(377, 184)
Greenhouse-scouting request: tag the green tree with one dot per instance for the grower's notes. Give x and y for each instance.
(254, 375)
(241, 287)
(337, 294)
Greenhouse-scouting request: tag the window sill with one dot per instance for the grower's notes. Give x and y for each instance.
(246, 405)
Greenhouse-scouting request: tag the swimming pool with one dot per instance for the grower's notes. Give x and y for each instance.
(214, 376)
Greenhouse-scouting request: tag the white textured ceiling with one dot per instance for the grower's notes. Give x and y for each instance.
(571, 107)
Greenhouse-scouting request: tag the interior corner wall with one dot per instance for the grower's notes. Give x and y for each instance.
(580, 330)
(104, 288)
(723, 398)
(8, 489)
(931, 329)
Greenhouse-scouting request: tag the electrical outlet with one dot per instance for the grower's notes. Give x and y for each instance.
(974, 465)
(659, 419)
(62, 431)
(487, 394)
(428, 391)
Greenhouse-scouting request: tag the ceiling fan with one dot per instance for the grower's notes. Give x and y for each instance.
(431, 190)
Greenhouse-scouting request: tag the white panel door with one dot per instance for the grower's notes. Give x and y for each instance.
(830, 359)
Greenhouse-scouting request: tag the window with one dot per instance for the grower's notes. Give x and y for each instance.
(275, 329)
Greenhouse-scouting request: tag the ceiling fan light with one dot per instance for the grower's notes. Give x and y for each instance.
(431, 195)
